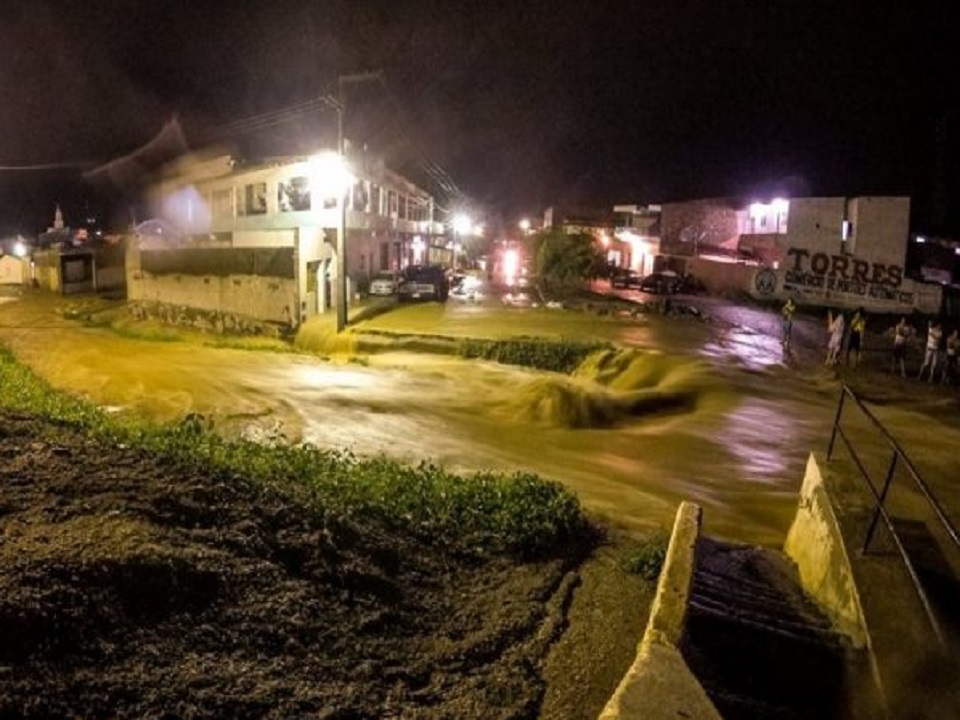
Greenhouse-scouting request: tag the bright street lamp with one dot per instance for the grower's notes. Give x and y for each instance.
(331, 177)
(462, 225)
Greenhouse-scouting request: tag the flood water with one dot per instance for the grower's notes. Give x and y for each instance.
(692, 411)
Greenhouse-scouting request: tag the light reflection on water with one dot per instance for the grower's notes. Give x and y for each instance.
(737, 446)
(740, 455)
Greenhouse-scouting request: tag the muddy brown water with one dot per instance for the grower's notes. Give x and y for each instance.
(711, 412)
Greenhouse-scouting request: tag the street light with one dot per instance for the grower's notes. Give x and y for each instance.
(329, 174)
(525, 225)
(462, 225)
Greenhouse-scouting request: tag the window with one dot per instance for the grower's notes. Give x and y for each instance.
(221, 204)
(392, 200)
(361, 198)
(417, 209)
(384, 256)
(375, 206)
(294, 194)
(402, 207)
(254, 199)
(846, 230)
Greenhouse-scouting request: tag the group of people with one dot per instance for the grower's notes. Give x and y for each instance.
(940, 355)
(837, 327)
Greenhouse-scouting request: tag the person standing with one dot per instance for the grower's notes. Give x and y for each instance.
(950, 367)
(932, 355)
(835, 326)
(901, 332)
(858, 325)
(787, 312)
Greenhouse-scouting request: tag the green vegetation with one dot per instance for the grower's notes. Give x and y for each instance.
(645, 557)
(564, 356)
(485, 512)
(563, 261)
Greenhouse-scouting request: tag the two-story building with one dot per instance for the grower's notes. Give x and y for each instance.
(258, 240)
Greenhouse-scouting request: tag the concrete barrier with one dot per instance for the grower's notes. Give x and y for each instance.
(659, 685)
(815, 543)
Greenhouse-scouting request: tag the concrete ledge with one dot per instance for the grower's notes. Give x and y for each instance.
(815, 543)
(913, 676)
(659, 685)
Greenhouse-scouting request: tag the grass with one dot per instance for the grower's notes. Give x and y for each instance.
(520, 514)
(644, 557)
(563, 356)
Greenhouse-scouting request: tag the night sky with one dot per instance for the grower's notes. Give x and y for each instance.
(516, 105)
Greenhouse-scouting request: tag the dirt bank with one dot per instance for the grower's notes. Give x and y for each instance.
(131, 590)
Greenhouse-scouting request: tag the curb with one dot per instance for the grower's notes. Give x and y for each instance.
(659, 685)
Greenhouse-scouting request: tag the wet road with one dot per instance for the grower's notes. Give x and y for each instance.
(702, 411)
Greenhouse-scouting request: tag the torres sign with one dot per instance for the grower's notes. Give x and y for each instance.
(845, 274)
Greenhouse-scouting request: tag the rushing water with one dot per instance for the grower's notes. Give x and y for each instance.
(719, 419)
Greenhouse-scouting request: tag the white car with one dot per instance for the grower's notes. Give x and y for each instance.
(383, 285)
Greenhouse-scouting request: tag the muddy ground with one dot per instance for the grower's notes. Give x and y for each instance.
(131, 590)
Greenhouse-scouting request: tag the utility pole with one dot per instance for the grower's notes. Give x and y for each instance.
(342, 299)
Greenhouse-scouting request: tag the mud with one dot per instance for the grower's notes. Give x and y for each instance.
(128, 589)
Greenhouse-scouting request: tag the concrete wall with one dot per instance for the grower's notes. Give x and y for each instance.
(254, 238)
(814, 224)
(815, 544)
(14, 270)
(272, 299)
(881, 228)
(262, 298)
(722, 278)
(821, 289)
(659, 685)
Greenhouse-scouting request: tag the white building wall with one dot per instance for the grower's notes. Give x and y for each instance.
(264, 238)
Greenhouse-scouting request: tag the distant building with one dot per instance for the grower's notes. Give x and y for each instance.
(57, 234)
(823, 251)
(600, 225)
(638, 235)
(259, 240)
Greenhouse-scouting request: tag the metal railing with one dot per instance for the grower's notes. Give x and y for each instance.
(880, 496)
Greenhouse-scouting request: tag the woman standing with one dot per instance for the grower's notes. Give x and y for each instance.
(835, 326)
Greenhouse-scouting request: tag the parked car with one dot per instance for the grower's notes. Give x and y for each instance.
(423, 282)
(383, 284)
(624, 278)
(661, 283)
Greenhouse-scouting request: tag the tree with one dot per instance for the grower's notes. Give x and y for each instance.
(562, 262)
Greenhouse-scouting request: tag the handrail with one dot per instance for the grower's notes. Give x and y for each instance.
(880, 496)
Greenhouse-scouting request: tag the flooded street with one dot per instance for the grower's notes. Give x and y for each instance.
(701, 411)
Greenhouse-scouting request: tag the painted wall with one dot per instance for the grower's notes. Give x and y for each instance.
(14, 270)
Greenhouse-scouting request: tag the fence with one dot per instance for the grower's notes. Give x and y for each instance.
(898, 456)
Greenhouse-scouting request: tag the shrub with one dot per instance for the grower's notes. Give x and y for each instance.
(520, 514)
(645, 556)
(564, 356)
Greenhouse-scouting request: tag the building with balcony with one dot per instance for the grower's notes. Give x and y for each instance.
(258, 240)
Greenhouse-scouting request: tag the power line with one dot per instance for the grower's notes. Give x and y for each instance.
(48, 166)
